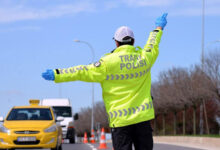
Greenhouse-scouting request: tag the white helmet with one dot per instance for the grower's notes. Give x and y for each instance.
(123, 32)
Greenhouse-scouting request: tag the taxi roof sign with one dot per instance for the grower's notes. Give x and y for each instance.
(34, 101)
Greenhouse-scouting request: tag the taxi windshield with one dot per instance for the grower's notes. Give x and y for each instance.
(30, 114)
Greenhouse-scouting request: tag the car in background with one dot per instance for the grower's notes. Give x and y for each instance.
(32, 126)
(62, 107)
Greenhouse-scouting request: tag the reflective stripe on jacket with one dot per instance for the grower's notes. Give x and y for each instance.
(125, 77)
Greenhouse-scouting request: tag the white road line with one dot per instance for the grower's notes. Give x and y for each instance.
(91, 146)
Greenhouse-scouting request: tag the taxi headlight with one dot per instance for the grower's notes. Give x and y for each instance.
(4, 129)
(52, 128)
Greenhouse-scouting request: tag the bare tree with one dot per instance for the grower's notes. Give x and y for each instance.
(84, 123)
(212, 70)
(160, 105)
(178, 89)
(172, 88)
(197, 89)
(101, 116)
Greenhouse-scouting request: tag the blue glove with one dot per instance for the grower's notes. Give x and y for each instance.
(48, 75)
(161, 21)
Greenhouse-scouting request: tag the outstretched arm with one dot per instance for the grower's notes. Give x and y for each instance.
(89, 73)
(152, 46)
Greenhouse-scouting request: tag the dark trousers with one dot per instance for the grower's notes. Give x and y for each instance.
(139, 134)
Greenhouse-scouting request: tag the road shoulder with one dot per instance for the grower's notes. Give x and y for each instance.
(205, 143)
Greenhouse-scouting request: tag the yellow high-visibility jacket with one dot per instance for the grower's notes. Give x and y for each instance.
(125, 77)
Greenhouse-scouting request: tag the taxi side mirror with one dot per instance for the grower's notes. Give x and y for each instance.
(1, 119)
(76, 116)
(59, 119)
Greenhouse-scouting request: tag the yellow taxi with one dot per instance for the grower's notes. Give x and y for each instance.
(30, 127)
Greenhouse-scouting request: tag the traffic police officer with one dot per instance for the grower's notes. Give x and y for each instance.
(125, 77)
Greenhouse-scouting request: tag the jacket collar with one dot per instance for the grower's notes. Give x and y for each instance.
(129, 48)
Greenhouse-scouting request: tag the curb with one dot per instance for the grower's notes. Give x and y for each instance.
(193, 142)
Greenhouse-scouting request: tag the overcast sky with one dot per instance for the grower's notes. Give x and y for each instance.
(36, 35)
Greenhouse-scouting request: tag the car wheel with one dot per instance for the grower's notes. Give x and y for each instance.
(72, 140)
(56, 148)
(60, 147)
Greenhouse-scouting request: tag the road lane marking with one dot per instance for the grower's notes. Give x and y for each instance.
(91, 146)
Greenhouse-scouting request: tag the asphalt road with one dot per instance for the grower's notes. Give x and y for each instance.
(109, 145)
(95, 147)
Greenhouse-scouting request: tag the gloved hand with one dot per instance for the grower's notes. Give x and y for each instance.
(161, 21)
(48, 75)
